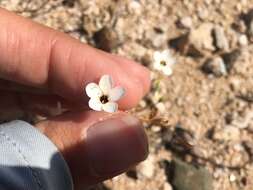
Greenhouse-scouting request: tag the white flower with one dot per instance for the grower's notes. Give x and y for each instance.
(103, 96)
(163, 61)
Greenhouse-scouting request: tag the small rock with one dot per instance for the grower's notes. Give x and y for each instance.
(156, 38)
(106, 39)
(159, 40)
(220, 39)
(230, 58)
(156, 128)
(185, 22)
(189, 177)
(161, 107)
(215, 66)
(195, 43)
(228, 133)
(243, 122)
(235, 83)
(202, 37)
(202, 13)
(232, 178)
(134, 7)
(147, 168)
(243, 40)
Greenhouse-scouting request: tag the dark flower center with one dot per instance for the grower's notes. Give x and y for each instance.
(163, 63)
(104, 99)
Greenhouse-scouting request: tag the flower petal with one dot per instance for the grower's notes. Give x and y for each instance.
(105, 83)
(95, 104)
(110, 107)
(166, 53)
(167, 71)
(93, 90)
(157, 56)
(116, 93)
(157, 65)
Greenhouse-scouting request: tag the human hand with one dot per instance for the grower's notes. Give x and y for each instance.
(54, 67)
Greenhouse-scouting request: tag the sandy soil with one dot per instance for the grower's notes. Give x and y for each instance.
(199, 114)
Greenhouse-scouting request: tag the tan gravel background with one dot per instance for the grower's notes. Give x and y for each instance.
(199, 114)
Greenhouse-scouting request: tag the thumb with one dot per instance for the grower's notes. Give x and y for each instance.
(97, 146)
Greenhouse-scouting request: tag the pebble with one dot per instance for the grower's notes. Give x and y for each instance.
(161, 107)
(243, 40)
(185, 22)
(220, 39)
(235, 83)
(156, 128)
(230, 58)
(228, 133)
(106, 39)
(202, 13)
(232, 178)
(147, 168)
(159, 40)
(189, 177)
(195, 43)
(202, 37)
(215, 66)
(134, 7)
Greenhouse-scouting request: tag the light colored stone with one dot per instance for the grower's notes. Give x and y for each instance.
(197, 42)
(228, 133)
(243, 40)
(147, 168)
(161, 107)
(202, 13)
(215, 66)
(220, 39)
(232, 178)
(202, 37)
(156, 128)
(186, 22)
(231, 58)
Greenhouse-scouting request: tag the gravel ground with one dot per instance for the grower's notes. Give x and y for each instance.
(199, 119)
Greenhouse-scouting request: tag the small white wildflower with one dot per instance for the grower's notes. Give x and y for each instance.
(103, 96)
(163, 61)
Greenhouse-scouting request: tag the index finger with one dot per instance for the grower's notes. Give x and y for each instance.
(38, 56)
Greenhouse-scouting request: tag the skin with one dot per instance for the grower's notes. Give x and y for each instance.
(40, 66)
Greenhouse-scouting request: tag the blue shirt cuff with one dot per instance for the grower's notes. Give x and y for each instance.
(29, 160)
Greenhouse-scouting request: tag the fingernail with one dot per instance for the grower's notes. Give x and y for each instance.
(116, 144)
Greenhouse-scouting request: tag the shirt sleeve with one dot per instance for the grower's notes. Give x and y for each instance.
(30, 161)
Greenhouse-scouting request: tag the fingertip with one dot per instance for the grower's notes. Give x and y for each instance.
(96, 145)
(137, 70)
(134, 91)
(115, 144)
